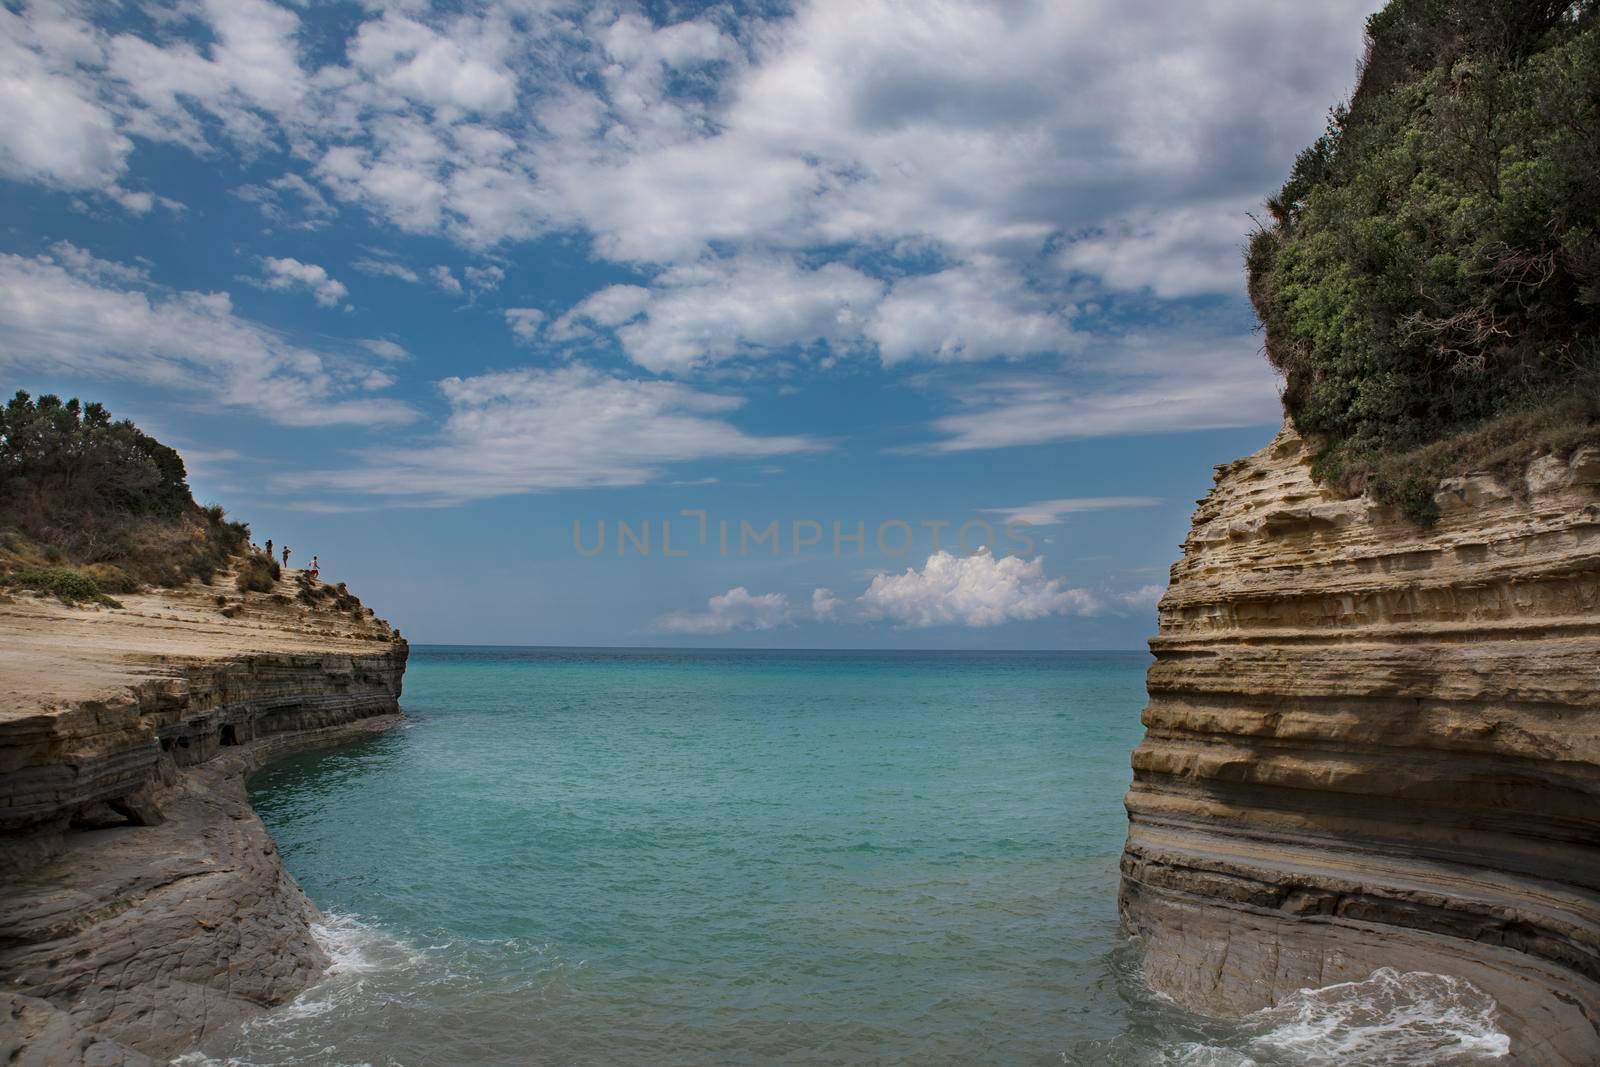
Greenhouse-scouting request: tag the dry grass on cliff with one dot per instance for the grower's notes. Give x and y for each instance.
(1502, 447)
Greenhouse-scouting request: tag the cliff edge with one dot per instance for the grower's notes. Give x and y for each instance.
(1370, 744)
(145, 904)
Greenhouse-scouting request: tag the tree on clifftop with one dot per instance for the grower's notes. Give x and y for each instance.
(78, 487)
(1429, 278)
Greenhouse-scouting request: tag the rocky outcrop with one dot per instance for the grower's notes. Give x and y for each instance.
(144, 902)
(1369, 744)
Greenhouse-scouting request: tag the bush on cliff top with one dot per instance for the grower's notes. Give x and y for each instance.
(1431, 269)
(77, 488)
(257, 574)
(66, 585)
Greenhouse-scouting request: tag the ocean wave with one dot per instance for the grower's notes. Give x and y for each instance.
(1392, 1017)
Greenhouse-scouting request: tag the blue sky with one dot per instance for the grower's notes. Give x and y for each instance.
(417, 287)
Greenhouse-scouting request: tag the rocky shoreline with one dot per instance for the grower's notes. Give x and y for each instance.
(145, 903)
(1369, 744)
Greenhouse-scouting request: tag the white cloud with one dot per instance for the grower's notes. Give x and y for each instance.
(531, 430)
(981, 129)
(459, 67)
(85, 264)
(609, 307)
(485, 278)
(1174, 253)
(71, 313)
(824, 605)
(749, 307)
(377, 267)
(290, 273)
(385, 349)
(52, 127)
(939, 182)
(1137, 385)
(976, 590)
(736, 609)
(1051, 512)
(445, 280)
(291, 201)
(971, 312)
(1146, 596)
(718, 310)
(524, 323)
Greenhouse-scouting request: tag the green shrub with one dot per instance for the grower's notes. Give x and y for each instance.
(111, 578)
(257, 574)
(1433, 262)
(67, 586)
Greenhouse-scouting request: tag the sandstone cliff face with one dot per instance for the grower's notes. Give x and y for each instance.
(144, 903)
(1373, 745)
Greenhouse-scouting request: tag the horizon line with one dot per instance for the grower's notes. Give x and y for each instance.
(764, 648)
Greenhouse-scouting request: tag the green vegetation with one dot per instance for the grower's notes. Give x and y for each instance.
(101, 501)
(1429, 279)
(68, 586)
(257, 574)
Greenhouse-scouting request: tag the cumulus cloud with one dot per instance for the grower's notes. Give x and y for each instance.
(980, 134)
(1173, 253)
(72, 313)
(971, 312)
(753, 306)
(1051, 512)
(524, 323)
(736, 609)
(721, 309)
(459, 66)
(53, 128)
(943, 183)
(288, 273)
(975, 590)
(531, 430)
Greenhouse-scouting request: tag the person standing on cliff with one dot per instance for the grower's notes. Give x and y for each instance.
(269, 548)
(285, 555)
(315, 569)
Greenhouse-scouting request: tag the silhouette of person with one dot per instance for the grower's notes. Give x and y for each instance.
(285, 555)
(269, 548)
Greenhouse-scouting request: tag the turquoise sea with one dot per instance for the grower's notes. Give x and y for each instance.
(705, 857)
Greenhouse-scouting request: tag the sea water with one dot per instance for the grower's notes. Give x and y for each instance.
(705, 857)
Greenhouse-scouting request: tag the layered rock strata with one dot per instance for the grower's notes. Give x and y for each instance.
(144, 904)
(1370, 744)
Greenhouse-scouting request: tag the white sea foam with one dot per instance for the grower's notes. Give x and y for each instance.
(1390, 1018)
(1199, 1054)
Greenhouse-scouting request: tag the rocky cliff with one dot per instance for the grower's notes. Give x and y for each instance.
(144, 902)
(1370, 744)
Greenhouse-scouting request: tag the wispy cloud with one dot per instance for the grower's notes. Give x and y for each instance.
(532, 430)
(1051, 512)
(70, 313)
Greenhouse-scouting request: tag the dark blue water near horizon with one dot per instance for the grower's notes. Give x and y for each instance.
(673, 856)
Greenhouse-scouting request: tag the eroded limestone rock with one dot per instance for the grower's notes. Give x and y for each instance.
(1369, 744)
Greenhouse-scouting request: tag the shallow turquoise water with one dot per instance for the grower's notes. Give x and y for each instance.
(581, 856)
